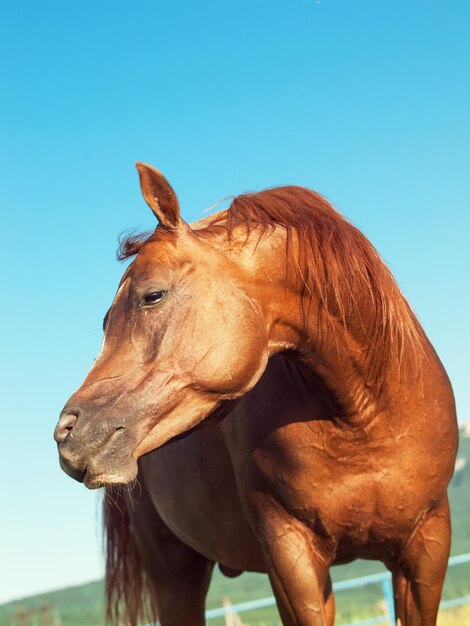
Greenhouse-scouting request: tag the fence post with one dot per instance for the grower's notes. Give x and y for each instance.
(387, 590)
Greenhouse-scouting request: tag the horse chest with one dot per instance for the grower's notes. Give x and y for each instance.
(347, 487)
(194, 490)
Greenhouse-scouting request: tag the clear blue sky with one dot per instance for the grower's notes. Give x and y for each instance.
(365, 101)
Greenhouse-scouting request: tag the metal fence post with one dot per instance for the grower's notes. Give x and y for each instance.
(387, 590)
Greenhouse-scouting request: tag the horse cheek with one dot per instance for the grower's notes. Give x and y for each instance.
(234, 362)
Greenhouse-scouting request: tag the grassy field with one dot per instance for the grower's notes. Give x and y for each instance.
(83, 605)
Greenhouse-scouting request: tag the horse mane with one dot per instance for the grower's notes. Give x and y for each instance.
(338, 265)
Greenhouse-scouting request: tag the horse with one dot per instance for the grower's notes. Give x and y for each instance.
(273, 405)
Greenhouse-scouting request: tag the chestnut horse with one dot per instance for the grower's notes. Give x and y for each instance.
(333, 433)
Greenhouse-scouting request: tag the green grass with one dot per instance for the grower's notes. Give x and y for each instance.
(83, 605)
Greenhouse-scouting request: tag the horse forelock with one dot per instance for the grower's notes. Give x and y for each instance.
(130, 243)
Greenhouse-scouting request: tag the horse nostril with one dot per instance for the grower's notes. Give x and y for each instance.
(65, 425)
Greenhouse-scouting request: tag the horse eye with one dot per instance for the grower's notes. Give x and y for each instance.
(154, 297)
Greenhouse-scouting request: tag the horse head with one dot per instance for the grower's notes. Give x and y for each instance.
(183, 337)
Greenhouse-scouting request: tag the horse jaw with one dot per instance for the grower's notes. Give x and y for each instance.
(191, 412)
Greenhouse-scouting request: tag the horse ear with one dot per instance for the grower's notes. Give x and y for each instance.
(160, 196)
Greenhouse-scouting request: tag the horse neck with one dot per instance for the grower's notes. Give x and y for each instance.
(334, 346)
(333, 355)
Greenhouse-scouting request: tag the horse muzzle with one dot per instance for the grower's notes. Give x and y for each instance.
(97, 456)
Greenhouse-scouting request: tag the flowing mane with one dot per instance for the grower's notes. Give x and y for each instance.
(338, 265)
